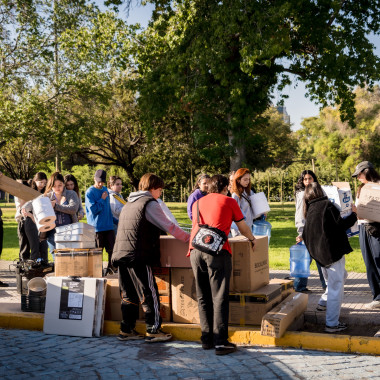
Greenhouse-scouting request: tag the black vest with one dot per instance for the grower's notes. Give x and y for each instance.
(137, 240)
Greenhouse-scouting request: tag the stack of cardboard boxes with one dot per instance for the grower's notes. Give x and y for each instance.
(252, 295)
(75, 253)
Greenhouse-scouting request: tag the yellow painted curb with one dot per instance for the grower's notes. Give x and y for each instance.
(23, 321)
(246, 336)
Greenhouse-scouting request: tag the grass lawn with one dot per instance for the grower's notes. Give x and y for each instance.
(283, 235)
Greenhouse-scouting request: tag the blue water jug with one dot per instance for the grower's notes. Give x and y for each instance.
(262, 227)
(299, 260)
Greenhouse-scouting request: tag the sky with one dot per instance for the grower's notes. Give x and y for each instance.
(298, 106)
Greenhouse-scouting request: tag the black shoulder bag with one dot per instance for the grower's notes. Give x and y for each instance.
(208, 239)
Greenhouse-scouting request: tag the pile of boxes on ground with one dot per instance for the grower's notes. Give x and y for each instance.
(75, 253)
(253, 298)
(78, 298)
(75, 299)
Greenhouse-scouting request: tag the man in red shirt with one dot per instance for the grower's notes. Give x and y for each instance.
(212, 272)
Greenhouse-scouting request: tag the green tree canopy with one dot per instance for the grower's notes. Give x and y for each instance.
(328, 139)
(221, 60)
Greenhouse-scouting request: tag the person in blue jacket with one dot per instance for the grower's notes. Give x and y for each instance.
(199, 191)
(99, 215)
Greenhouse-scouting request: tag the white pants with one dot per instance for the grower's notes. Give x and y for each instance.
(335, 276)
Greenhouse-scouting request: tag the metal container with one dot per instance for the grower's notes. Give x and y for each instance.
(75, 244)
(71, 237)
(75, 228)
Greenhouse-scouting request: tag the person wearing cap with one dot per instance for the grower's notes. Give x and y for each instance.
(369, 235)
(99, 214)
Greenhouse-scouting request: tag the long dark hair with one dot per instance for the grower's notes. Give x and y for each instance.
(300, 185)
(39, 176)
(218, 183)
(312, 191)
(199, 179)
(371, 175)
(70, 177)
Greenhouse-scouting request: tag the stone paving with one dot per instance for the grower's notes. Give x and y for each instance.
(356, 295)
(29, 354)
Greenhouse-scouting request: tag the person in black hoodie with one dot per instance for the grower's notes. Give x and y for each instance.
(325, 237)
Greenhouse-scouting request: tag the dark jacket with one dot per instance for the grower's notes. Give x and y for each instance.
(137, 240)
(324, 233)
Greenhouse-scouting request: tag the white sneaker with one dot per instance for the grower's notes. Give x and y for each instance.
(372, 305)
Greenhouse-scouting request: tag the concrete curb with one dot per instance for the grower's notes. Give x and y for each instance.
(240, 335)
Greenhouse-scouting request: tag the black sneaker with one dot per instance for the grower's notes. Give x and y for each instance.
(225, 349)
(334, 329)
(207, 345)
(306, 291)
(3, 284)
(321, 307)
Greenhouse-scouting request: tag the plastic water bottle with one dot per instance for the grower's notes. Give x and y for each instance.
(299, 260)
(262, 227)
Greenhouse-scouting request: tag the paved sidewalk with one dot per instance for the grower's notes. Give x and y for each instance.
(356, 295)
(33, 354)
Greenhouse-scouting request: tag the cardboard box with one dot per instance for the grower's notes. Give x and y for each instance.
(173, 252)
(17, 189)
(184, 297)
(113, 301)
(71, 264)
(75, 307)
(354, 230)
(340, 195)
(369, 202)
(249, 308)
(287, 286)
(282, 316)
(113, 298)
(95, 262)
(79, 262)
(250, 269)
(165, 309)
(162, 277)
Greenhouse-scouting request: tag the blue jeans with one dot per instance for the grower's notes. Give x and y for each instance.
(370, 247)
(50, 241)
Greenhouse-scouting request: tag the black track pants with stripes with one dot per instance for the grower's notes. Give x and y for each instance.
(138, 285)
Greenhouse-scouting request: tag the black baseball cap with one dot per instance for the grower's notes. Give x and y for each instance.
(362, 166)
(100, 175)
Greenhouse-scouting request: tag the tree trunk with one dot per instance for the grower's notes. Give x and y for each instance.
(239, 152)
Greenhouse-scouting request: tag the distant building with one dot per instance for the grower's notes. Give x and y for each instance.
(282, 111)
